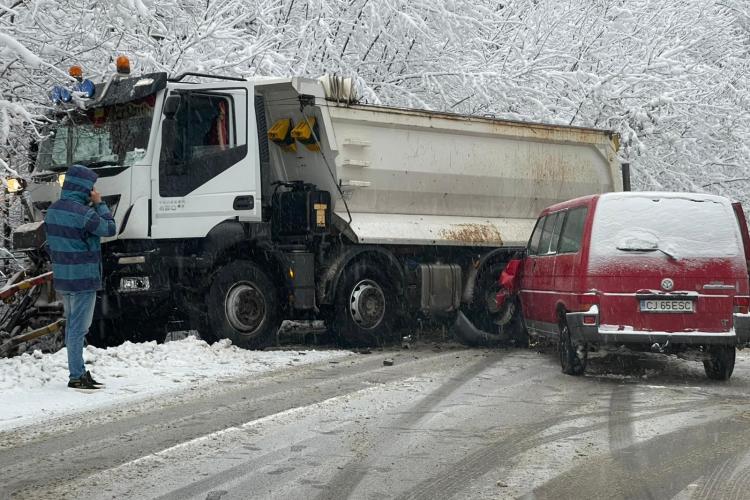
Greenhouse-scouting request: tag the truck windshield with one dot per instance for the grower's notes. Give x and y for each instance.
(111, 135)
(675, 227)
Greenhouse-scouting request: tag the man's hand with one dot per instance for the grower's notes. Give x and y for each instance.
(96, 197)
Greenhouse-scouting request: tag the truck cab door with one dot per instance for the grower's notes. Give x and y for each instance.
(208, 166)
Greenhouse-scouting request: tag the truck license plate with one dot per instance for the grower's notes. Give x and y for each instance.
(667, 306)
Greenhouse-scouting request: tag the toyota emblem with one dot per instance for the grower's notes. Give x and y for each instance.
(667, 284)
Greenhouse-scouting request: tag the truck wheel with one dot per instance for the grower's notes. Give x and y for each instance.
(365, 307)
(721, 363)
(243, 305)
(571, 362)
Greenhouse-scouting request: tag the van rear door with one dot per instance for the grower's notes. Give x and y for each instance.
(666, 262)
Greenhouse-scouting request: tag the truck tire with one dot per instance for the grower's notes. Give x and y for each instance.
(365, 307)
(570, 361)
(721, 363)
(243, 305)
(503, 326)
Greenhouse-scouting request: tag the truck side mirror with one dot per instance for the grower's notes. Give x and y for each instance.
(169, 157)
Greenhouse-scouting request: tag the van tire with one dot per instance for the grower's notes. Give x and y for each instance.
(721, 363)
(372, 322)
(570, 361)
(243, 305)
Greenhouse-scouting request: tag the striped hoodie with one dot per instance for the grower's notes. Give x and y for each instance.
(73, 233)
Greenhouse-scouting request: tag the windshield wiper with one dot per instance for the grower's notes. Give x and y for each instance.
(649, 249)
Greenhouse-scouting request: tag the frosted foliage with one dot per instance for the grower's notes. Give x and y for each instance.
(654, 226)
(671, 76)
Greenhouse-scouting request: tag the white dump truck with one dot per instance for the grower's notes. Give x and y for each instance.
(240, 203)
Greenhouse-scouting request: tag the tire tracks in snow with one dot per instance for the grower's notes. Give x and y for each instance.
(661, 467)
(453, 479)
(346, 480)
(58, 458)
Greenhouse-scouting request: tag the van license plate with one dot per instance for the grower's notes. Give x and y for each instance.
(667, 306)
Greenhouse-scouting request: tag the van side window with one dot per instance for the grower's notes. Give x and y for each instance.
(570, 239)
(556, 232)
(535, 236)
(549, 226)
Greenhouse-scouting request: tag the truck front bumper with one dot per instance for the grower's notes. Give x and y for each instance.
(586, 333)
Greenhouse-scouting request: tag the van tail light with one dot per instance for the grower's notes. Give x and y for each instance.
(589, 303)
(741, 304)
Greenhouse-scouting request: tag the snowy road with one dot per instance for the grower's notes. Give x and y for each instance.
(447, 423)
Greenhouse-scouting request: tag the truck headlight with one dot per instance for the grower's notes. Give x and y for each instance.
(135, 284)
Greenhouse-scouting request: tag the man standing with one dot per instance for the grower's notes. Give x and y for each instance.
(74, 230)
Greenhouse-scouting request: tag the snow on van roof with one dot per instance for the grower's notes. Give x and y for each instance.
(665, 194)
(582, 200)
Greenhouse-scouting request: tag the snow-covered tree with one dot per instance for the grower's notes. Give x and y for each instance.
(671, 76)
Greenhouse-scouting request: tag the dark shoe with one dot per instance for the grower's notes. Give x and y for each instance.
(91, 379)
(82, 384)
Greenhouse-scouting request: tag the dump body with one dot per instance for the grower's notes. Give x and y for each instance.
(420, 177)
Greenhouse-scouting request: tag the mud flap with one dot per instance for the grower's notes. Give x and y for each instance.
(742, 329)
(471, 335)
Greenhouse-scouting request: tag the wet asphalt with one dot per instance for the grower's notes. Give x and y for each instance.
(442, 422)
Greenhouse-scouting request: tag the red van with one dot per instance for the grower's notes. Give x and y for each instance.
(660, 272)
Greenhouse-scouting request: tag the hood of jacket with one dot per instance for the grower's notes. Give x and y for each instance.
(79, 181)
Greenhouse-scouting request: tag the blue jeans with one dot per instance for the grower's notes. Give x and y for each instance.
(79, 311)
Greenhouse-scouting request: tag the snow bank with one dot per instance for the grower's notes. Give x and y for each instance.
(33, 386)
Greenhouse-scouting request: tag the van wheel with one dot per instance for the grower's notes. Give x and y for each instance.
(365, 307)
(243, 305)
(571, 362)
(721, 363)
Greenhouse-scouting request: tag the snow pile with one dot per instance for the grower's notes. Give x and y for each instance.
(33, 386)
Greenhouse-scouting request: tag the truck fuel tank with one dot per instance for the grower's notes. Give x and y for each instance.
(301, 211)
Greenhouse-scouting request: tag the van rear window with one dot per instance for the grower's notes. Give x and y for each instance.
(661, 225)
